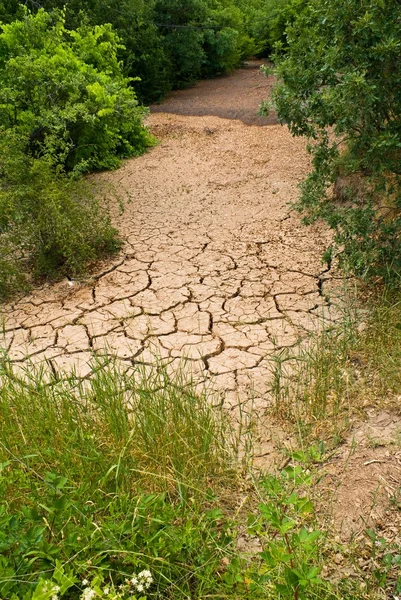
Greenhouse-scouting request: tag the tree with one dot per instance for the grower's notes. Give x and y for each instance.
(64, 91)
(340, 86)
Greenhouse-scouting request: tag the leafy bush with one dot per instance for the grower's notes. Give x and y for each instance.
(50, 223)
(339, 86)
(64, 91)
(290, 562)
(265, 22)
(228, 43)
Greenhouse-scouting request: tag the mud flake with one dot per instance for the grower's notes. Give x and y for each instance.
(201, 292)
(204, 348)
(122, 309)
(153, 353)
(79, 365)
(131, 265)
(157, 302)
(222, 286)
(64, 317)
(161, 268)
(232, 359)
(73, 338)
(19, 345)
(294, 283)
(117, 345)
(297, 302)
(282, 333)
(80, 297)
(190, 345)
(199, 323)
(186, 371)
(171, 281)
(186, 311)
(305, 320)
(327, 315)
(258, 381)
(225, 382)
(99, 323)
(118, 285)
(6, 338)
(213, 262)
(251, 289)
(250, 310)
(145, 325)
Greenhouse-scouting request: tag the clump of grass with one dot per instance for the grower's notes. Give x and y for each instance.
(379, 348)
(51, 224)
(336, 374)
(125, 484)
(131, 429)
(104, 478)
(312, 387)
(322, 385)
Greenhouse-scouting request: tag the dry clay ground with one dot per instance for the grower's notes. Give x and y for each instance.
(215, 269)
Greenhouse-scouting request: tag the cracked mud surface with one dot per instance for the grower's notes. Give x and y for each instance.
(215, 268)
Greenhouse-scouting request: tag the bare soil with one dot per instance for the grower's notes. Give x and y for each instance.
(361, 486)
(215, 269)
(235, 96)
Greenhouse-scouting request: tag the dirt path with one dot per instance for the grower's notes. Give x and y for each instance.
(214, 269)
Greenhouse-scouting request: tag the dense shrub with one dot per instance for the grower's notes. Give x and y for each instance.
(340, 87)
(50, 223)
(168, 44)
(64, 91)
(265, 22)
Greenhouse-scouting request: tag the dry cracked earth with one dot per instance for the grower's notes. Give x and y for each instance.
(215, 268)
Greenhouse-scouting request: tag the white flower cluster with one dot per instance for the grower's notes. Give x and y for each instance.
(88, 593)
(142, 581)
(53, 589)
(138, 583)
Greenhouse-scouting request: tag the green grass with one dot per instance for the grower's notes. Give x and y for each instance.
(324, 384)
(110, 477)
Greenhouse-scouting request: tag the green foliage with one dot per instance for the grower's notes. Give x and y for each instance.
(168, 44)
(50, 223)
(64, 106)
(122, 487)
(339, 86)
(290, 558)
(228, 43)
(143, 51)
(103, 479)
(312, 384)
(385, 562)
(266, 21)
(64, 91)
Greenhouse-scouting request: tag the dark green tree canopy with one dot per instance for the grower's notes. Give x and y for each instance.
(169, 44)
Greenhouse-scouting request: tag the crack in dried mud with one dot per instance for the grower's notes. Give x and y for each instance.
(215, 269)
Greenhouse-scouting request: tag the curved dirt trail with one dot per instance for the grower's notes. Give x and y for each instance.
(214, 268)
